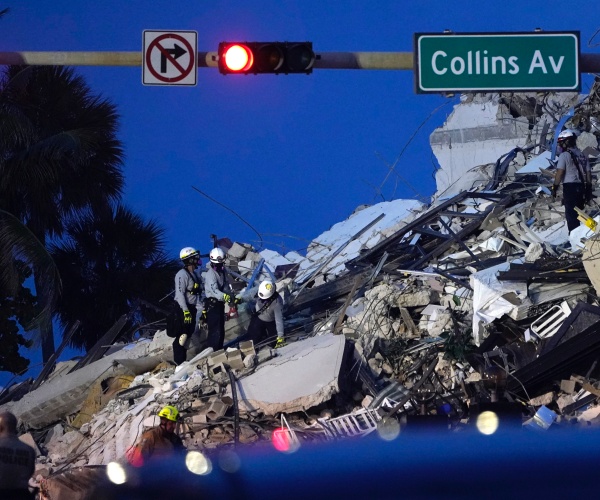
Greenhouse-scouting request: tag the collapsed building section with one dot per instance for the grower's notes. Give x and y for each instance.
(422, 315)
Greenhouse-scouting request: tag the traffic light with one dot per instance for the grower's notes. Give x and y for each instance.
(266, 57)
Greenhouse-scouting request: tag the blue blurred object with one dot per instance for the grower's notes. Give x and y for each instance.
(457, 465)
(542, 420)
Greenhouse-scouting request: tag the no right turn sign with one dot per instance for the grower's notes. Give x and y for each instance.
(170, 57)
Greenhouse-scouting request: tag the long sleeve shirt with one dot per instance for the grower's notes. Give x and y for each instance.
(185, 291)
(274, 312)
(216, 284)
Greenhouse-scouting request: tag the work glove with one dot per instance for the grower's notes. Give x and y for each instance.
(187, 317)
(182, 339)
(280, 342)
(203, 315)
(588, 193)
(227, 298)
(195, 289)
(553, 191)
(237, 300)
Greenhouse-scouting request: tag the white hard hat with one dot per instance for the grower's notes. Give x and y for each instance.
(217, 255)
(266, 289)
(567, 134)
(188, 252)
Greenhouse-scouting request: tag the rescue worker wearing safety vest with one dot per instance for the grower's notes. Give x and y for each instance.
(573, 170)
(189, 296)
(267, 317)
(217, 291)
(159, 442)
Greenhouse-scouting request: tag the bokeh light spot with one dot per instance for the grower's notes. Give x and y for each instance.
(116, 473)
(388, 429)
(487, 422)
(229, 461)
(197, 463)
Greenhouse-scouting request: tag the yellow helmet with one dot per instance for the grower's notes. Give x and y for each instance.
(170, 413)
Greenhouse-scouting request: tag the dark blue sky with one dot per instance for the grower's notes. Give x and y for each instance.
(292, 155)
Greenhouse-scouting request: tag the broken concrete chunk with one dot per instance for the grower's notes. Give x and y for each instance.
(534, 252)
(419, 298)
(567, 386)
(237, 251)
(306, 374)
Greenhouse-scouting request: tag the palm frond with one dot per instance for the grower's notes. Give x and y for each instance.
(18, 242)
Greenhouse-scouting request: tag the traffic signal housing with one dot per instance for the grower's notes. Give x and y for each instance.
(266, 57)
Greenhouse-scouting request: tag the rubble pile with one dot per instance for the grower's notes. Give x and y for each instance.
(403, 311)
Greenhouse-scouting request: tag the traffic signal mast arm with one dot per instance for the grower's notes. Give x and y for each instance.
(324, 60)
(589, 63)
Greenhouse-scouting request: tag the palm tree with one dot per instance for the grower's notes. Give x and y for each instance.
(109, 260)
(59, 156)
(20, 251)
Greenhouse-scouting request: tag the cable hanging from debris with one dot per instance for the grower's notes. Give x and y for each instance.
(233, 212)
(392, 167)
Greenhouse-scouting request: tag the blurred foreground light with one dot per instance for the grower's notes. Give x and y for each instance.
(229, 461)
(283, 442)
(197, 463)
(388, 429)
(487, 422)
(116, 473)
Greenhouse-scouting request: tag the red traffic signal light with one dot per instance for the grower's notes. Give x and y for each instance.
(266, 57)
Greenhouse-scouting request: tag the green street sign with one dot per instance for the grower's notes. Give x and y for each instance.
(488, 62)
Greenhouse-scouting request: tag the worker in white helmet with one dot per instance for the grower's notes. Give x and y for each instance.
(218, 292)
(573, 170)
(189, 296)
(266, 321)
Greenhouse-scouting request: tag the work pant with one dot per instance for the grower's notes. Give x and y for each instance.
(215, 322)
(573, 196)
(179, 351)
(259, 330)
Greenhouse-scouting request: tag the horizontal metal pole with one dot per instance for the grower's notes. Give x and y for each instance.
(364, 60)
(325, 60)
(72, 58)
(589, 63)
(205, 59)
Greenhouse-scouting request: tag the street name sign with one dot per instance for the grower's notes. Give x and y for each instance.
(488, 62)
(170, 57)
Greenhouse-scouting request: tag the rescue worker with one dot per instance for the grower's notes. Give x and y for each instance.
(159, 442)
(17, 461)
(217, 291)
(188, 295)
(267, 317)
(573, 170)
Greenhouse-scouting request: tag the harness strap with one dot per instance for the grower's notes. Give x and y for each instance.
(266, 304)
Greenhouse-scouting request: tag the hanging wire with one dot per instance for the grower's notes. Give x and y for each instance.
(233, 212)
(392, 168)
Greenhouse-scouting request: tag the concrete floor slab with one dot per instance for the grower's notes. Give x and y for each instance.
(304, 374)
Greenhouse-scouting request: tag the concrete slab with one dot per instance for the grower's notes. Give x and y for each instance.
(64, 394)
(304, 374)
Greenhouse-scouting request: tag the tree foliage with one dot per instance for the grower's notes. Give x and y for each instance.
(61, 183)
(17, 311)
(109, 260)
(59, 157)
